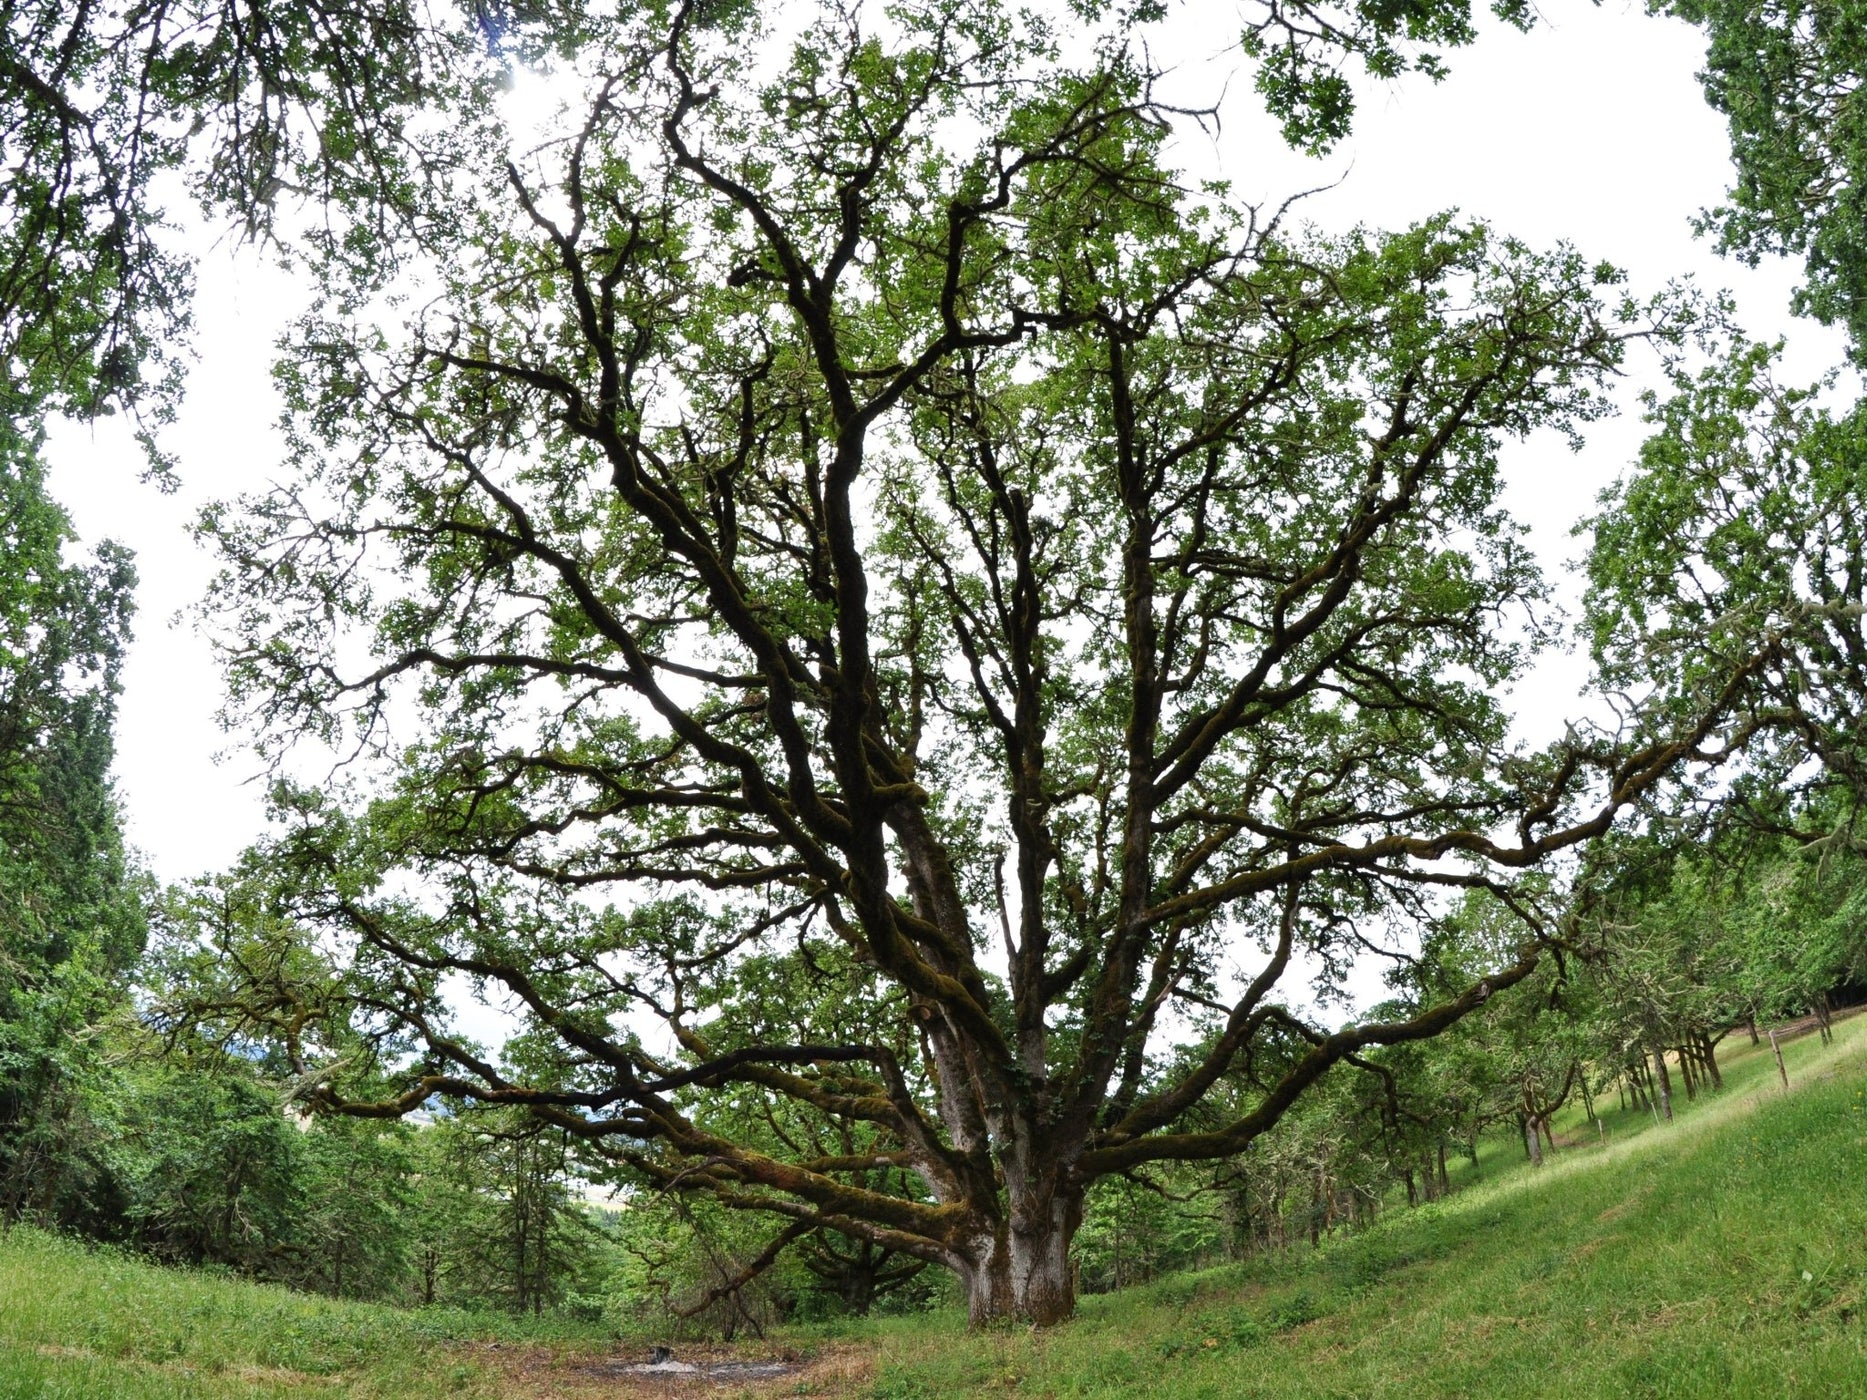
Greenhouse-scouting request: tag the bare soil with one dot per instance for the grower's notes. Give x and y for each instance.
(718, 1370)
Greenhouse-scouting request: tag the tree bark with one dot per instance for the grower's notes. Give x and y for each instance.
(1021, 1270)
(1664, 1082)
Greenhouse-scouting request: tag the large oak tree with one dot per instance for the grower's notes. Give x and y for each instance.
(847, 504)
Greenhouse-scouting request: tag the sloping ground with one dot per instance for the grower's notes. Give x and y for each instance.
(1719, 1256)
(1722, 1255)
(81, 1324)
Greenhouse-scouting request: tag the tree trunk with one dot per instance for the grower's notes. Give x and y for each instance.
(1533, 1142)
(858, 1290)
(1708, 1053)
(1750, 1023)
(1021, 1270)
(1687, 1073)
(1664, 1082)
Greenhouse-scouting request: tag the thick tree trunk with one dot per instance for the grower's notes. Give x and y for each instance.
(1021, 1272)
(1533, 1142)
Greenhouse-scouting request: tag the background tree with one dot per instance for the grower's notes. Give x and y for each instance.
(70, 917)
(256, 109)
(1785, 75)
(1741, 528)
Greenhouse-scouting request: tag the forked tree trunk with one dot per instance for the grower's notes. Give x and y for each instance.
(1021, 1270)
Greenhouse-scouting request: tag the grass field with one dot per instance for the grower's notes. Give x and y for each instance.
(1723, 1255)
(78, 1324)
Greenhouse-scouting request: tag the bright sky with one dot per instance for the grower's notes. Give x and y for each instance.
(1591, 129)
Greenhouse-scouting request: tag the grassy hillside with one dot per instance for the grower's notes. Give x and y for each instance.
(1723, 1255)
(80, 1324)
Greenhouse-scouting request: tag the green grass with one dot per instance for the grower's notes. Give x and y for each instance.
(85, 1324)
(1724, 1255)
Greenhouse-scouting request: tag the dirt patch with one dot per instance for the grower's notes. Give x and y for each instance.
(1615, 1212)
(1480, 1329)
(532, 1373)
(1682, 1310)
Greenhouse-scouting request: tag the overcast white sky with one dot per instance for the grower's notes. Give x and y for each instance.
(1590, 129)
